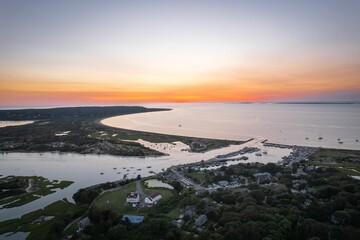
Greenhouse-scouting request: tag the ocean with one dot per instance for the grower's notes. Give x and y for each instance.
(317, 125)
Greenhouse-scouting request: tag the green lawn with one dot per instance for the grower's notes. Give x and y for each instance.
(165, 192)
(43, 185)
(59, 210)
(200, 177)
(116, 201)
(346, 161)
(345, 167)
(174, 214)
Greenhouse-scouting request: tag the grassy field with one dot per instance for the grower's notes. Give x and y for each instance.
(352, 169)
(41, 187)
(346, 161)
(165, 193)
(336, 156)
(60, 210)
(116, 200)
(200, 177)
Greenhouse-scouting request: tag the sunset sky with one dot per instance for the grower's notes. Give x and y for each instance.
(110, 52)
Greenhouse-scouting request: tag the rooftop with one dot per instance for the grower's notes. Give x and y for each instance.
(132, 195)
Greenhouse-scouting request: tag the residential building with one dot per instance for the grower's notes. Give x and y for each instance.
(133, 198)
(262, 177)
(177, 223)
(153, 198)
(201, 220)
(223, 183)
(83, 223)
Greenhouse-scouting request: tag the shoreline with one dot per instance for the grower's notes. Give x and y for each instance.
(85, 134)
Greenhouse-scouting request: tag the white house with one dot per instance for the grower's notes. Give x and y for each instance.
(133, 197)
(153, 198)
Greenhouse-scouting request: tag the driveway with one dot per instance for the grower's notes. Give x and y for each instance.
(141, 192)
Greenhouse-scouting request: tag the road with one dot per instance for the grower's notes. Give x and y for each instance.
(181, 176)
(140, 191)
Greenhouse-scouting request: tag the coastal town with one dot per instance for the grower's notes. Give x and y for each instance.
(199, 200)
(195, 198)
(311, 191)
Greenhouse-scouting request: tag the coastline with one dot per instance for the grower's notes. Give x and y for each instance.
(79, 130)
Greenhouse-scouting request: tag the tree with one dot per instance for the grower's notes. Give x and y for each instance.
(56, 230)
(117, 232)
(177, 185)
(258, 195)
(271, 168)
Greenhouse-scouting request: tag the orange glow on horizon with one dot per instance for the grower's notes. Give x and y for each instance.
(223, 85)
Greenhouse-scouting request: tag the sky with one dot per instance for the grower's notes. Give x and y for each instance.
(111, 52)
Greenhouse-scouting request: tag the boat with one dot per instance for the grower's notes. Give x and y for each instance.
(356, 140)
(307, 138)
(340, 142)
(320, 138)
(101, 173)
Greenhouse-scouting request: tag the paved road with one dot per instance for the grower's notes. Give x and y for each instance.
(140, 191)
(181, 176)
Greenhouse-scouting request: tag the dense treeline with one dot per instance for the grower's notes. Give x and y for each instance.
(88, 195)
(70, 112)
(322, 203)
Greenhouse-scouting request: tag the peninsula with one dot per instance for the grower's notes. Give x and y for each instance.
(78, 130)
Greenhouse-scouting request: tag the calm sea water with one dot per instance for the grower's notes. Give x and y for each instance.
(279, 123)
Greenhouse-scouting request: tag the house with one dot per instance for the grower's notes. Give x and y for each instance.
(262, 177)
(83, 223)
(223, 183)
(133, 198)
(299, 173)
(133, 218)
(177, 223)
(189, 211)
(201, 193)
(153, 198)
(201, 220)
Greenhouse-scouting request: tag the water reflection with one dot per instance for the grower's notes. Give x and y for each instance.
(85, 170)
